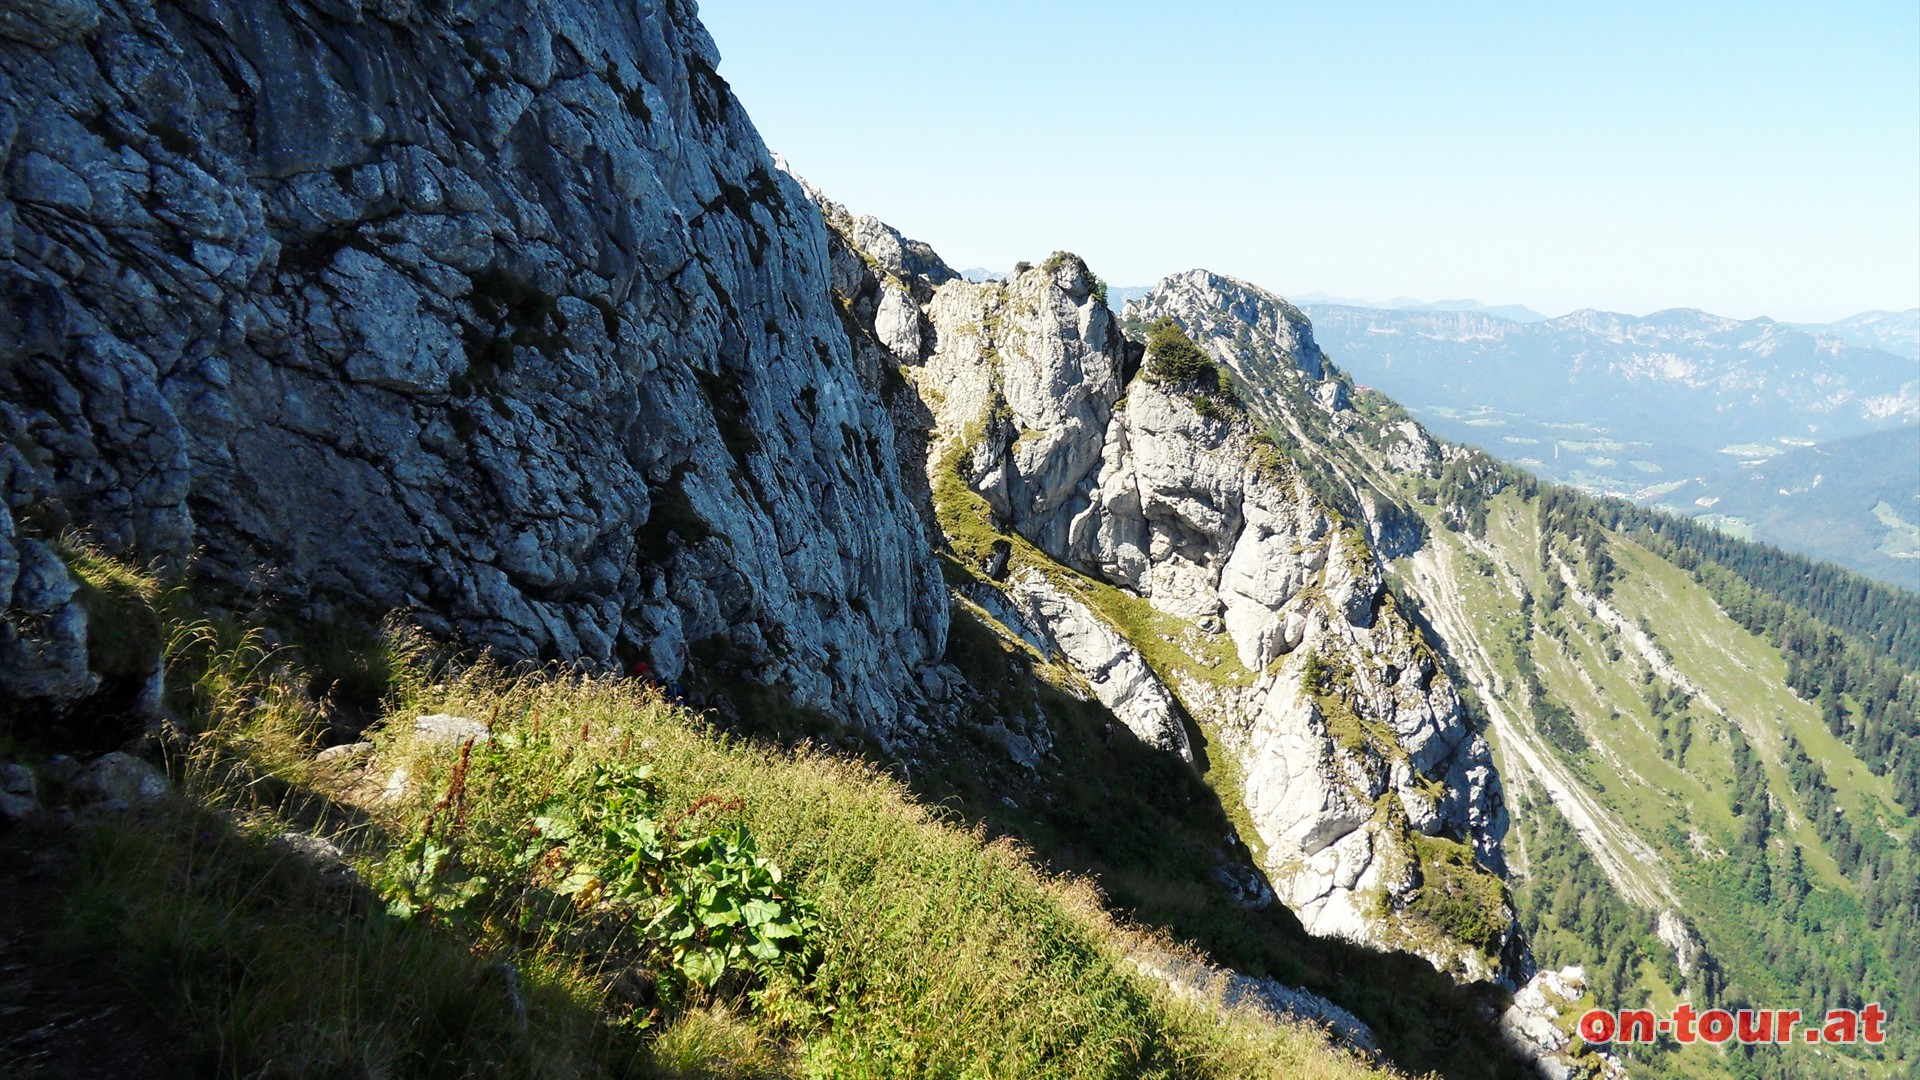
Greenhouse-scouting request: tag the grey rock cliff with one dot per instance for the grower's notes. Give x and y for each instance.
(1030, 398)
(1382, 717)
(1539, 1025)
(497, 313)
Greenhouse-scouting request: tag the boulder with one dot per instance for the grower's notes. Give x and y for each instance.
(19, 794)
(321, 855)
(120, 781)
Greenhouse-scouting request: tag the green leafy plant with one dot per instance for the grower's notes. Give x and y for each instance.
(715, 904)
(699, 900)
(432, 881)
(726, 908)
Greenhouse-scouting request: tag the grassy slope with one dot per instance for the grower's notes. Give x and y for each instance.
(1678, 808)
(939, 953)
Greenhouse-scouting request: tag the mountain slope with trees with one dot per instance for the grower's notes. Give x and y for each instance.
(1710, 744)
(1738, 422)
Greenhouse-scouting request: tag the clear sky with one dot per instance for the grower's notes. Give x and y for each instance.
(1749, 158)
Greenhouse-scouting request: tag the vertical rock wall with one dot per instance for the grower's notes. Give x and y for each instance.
(497, 313)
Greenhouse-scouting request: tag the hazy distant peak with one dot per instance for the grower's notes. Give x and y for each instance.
(1513, 312)
(1692, 320)
(1519, 313)
(1897, 332)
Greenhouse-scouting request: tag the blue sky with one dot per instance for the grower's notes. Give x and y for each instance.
(1746, 158)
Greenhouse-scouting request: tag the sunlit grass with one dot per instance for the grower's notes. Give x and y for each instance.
(940, 953)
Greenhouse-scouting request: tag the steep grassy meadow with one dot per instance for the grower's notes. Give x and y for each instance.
(1667, 732)
(1664, 735)
(549, 876)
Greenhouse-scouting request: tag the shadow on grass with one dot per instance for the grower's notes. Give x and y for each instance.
(262, 963)
(1148, 831)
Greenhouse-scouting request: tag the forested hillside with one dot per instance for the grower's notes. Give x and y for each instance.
(1751, 764)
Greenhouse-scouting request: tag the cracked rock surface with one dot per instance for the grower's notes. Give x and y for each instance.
(495, 313)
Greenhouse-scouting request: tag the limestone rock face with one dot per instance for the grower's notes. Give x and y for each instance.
(1256, 332)
(1538, 1023)
(1376, 716)
(1675, 933)
(1195, 979)
(43, 637)
(1273, 624)
(1120, 677)
(500, 314)
(47, 23)
(19, 794)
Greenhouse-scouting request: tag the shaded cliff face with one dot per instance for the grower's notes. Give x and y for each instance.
(1182, 565)
(498, 313)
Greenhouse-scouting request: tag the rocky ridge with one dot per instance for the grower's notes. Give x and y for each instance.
(1523, 637)
(1175, 559)
(498, 315)
(1537, 1024)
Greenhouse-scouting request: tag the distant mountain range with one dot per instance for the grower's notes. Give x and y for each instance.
(1897, 332)
(1514, 312)
(1679, 408)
